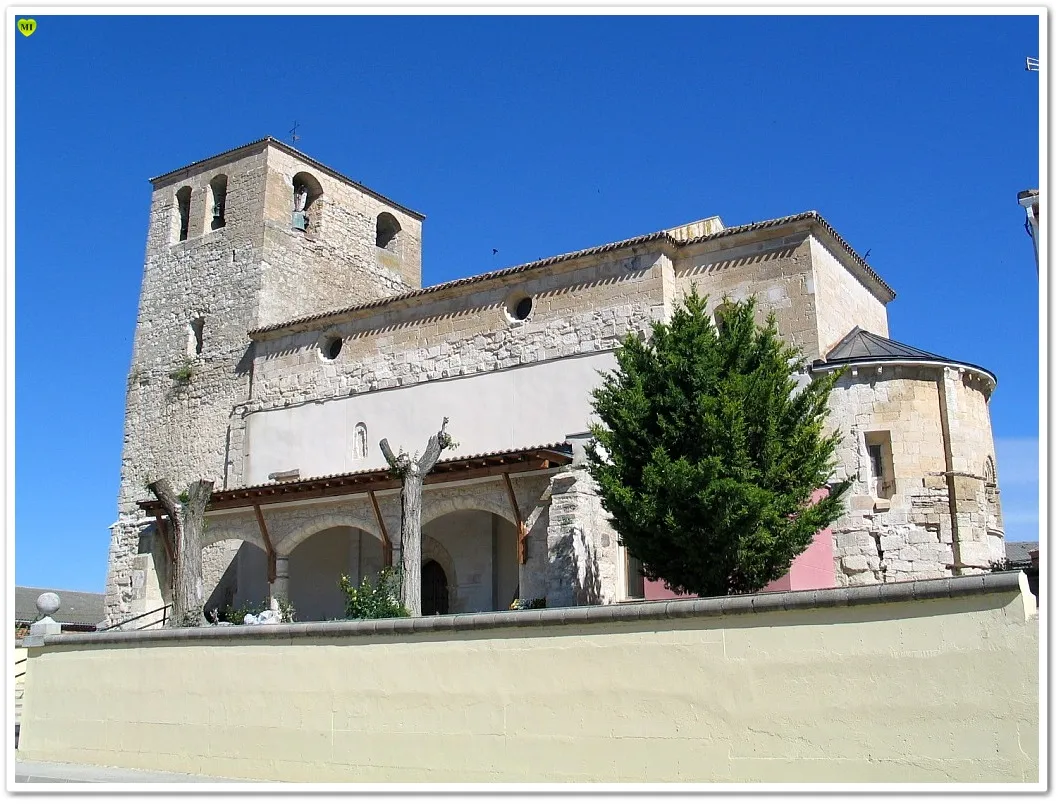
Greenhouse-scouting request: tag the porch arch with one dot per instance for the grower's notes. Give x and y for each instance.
(248, 533)
(439, 506)
(323, 522)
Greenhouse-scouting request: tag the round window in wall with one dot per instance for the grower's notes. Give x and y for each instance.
(519, 307)
(331, 348)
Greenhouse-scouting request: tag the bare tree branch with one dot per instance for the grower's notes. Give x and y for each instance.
(435, 444)
(399, 462)
(163, 491)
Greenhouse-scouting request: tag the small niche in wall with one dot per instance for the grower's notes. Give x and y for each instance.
(721, 314)
(387, 232)
(183, 212)
(218, 196)
(360, 441)
(881, 464)
(195, 331)
(305, 215)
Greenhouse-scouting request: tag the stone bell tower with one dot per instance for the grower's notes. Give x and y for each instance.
(254, 236)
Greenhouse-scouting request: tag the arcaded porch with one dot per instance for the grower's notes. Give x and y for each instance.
(484, 526)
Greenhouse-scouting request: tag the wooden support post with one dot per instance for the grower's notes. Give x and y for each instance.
(164, 533)
(520, 526)
(388, 546)
(270, 553)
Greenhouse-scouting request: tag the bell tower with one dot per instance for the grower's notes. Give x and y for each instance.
(253, 236)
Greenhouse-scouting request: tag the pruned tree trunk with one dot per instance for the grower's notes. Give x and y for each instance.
(188, 520)
(411, 544)
(412, 471)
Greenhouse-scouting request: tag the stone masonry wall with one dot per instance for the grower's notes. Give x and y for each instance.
(842, 301)
(176, 427)
(580, 308)
(336, 263)
(978, 509)
(777, 270)
(583, 550)
(908, 534)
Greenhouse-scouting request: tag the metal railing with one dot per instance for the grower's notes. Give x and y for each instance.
(161, 621)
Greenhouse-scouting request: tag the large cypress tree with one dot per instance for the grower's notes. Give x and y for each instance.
(712, 452)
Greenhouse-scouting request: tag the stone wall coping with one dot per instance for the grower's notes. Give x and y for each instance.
(763, 602)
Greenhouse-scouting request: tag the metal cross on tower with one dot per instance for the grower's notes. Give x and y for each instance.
(294, 133)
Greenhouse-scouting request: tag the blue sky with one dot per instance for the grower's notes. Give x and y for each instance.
(529, 135)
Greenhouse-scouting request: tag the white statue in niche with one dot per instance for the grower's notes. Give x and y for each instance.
(360, 441)
(301, 195)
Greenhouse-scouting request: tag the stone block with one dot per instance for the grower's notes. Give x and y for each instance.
(891, 542)
(863, 579)
(921, 537)
(861, 502)
(975, 553)
(966, 488)
(855, 563)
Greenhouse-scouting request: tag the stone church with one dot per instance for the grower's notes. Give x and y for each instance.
(283, 331)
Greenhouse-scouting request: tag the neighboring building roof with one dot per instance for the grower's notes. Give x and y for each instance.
(862, 346)
(661, 237)
(465, 467)
(283, 146)
(75, 608)
(1019, 552)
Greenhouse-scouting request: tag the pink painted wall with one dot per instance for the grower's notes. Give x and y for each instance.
(814, 568)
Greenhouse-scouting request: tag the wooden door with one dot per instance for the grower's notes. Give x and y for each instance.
(434, 589)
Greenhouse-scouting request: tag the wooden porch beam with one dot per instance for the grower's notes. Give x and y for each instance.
(387, 544)
(270, 552)
(520, 526)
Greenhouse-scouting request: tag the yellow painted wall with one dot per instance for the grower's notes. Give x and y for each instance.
(941, 690)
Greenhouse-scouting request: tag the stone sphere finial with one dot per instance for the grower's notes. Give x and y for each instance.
(48, 604)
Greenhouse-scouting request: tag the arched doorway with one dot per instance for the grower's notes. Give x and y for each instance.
(477, 550)
(434, 589)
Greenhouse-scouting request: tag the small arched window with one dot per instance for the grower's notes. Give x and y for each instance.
(360, 441)
(195, 329)
(307, 193)
(218, 193)
(990, 471)
(183, 212)
(722, 313)
(387, 230)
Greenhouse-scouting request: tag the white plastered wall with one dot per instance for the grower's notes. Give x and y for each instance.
(530, 405)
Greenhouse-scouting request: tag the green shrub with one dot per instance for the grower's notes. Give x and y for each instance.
(373, 601)
(182, 374)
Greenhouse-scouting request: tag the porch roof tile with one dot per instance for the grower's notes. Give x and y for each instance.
(483, 464)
